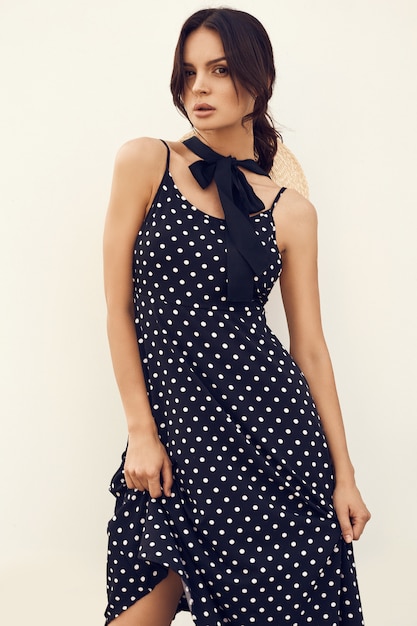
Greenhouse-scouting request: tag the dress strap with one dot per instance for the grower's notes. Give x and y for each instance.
(279, 194)
(168, 153)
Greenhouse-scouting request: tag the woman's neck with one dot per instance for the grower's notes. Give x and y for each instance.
(229, 143)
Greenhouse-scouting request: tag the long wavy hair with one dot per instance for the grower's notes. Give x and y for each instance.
(250, 60)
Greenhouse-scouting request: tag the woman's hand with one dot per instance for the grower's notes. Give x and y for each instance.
(351, 511)
(147, 465)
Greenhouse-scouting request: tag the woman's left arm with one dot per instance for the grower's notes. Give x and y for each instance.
(296, 224)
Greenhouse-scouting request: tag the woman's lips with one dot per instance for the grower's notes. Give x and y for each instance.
(203, 109)
(202, 106)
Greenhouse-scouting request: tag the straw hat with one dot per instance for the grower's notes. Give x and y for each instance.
(286, 170)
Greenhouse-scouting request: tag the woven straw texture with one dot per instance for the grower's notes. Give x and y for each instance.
(287, 172)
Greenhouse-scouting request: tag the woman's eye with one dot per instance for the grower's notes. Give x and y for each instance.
(221, 70)
(188, 73)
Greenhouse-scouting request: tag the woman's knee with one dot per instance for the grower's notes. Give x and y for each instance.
(157, 608)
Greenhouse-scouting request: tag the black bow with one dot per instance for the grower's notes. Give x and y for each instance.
(246, 256)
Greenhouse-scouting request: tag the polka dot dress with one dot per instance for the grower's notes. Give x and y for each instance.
(250, 526)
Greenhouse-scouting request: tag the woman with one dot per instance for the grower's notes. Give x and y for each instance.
(234, 498)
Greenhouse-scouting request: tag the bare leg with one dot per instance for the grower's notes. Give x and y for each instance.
(157, 608)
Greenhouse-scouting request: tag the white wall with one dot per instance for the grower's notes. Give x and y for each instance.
(78, 79)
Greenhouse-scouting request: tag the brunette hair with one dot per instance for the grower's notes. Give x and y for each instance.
(250, 60)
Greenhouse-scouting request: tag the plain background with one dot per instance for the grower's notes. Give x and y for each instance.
(80, 78)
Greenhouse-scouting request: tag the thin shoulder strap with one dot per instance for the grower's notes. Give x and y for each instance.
(279, 194)
(168, 152)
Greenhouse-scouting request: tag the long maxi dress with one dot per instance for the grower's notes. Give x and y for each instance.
(250, 526)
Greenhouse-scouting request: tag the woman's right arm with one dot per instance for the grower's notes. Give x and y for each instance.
(138, 170)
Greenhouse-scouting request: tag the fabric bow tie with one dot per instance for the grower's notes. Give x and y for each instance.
(246, 256)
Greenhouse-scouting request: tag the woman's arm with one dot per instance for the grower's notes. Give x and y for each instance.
(138, 169)
(296, 223)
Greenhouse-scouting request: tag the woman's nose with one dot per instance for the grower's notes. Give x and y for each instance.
(200, 85)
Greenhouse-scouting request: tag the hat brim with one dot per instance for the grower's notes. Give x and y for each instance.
(287, 172)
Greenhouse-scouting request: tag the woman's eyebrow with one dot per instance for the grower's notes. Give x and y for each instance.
(212, 62)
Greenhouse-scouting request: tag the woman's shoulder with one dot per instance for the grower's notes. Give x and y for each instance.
(150, 156)
(143, 151)
(138, 170)
(140, 164)
(295, 219)
(293, 206)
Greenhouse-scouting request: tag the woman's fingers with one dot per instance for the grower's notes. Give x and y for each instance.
(133, 482)
(150, 480)
(351, 512)
(167, 478)
(146, 464)
(154, 486)
(359, 522)
(165, 475)
(345, 523)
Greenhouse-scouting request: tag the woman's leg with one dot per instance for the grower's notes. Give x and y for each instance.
(157, 608)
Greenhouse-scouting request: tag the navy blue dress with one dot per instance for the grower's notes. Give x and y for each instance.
(250, 526)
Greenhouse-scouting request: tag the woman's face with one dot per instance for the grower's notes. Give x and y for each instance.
(210, 98)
